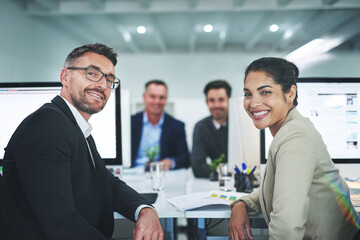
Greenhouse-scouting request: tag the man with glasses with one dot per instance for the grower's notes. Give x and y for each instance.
(53, 169)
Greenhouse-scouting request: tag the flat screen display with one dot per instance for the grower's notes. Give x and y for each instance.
(333, 106)
(18, 100)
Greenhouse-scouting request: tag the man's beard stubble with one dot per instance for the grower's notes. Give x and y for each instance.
(82, 105)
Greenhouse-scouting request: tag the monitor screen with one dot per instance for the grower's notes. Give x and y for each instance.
(333, 106)
(18, 100)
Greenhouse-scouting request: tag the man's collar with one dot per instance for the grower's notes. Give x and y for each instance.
(146, 119)
(218, 125)
(80, 120)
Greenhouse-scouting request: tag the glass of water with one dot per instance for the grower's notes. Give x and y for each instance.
(157, 173)
(226, 180)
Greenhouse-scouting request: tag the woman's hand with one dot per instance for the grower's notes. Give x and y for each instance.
(239, 221)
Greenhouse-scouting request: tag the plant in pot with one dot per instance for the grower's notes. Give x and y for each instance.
(214, 176)
(151, 153)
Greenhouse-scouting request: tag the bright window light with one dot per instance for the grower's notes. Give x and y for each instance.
(141, 29)
(315, 47)
(274, 28)
(127, 36)
(312, 47)
(208, 28)
(288, 34)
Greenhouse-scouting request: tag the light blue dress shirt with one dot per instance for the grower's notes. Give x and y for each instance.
(150, 137)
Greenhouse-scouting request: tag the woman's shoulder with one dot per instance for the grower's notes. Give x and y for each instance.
(297, 127)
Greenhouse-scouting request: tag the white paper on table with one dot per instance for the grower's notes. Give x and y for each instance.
(201, 199)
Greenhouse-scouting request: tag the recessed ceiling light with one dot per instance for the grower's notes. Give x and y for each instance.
(141, 29)
(274, 28)
(208, 28)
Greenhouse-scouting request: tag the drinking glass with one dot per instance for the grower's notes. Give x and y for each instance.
(226, 180)
(157, 173)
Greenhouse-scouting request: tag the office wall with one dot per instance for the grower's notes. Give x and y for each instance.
(187, 74)
(30, 50)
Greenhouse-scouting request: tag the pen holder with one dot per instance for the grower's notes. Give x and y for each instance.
(243, 182)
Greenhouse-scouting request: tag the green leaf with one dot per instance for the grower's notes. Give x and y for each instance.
(215, 162)
(152, 152)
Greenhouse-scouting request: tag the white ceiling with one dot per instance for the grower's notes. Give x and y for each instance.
(177, 25)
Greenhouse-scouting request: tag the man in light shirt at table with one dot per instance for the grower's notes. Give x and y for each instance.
(155, 128)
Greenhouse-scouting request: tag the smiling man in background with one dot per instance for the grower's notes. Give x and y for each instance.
(210, 137)
(155, 128)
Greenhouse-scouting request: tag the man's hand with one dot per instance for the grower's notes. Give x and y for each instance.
(167, 163)
(148, 226)
(239, 221)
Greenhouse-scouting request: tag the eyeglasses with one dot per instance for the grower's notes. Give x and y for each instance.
(95, 75)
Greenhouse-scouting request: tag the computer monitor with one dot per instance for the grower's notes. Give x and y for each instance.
(333, 106)
(18, 100)
(243, 141)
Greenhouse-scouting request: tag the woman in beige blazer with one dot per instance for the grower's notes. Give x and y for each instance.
(302, 195)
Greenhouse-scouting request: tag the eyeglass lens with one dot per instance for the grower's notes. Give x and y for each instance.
(95, 75)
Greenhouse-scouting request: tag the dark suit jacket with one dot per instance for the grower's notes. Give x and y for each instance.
(172, 140)
(49, 171)
(13, 225)
(207, 142)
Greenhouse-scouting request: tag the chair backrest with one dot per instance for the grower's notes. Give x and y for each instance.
(13, 224)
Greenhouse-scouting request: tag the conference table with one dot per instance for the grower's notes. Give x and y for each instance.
(177, 183)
